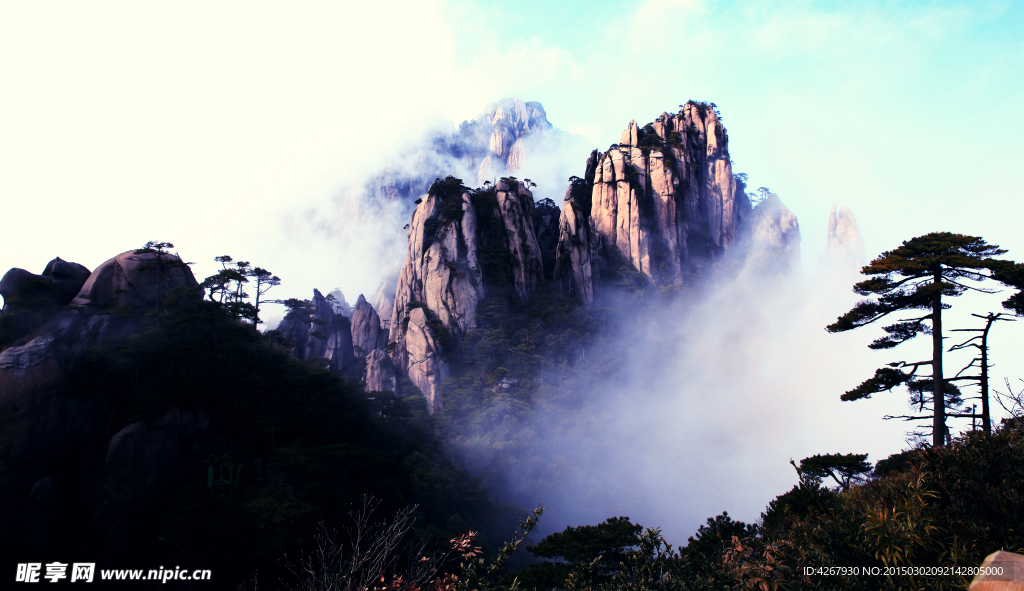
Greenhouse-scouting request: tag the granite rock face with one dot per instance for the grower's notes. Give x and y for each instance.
(319, 332)
(380, 372)
(773, 236)
(384, 298)
(844, 245)
(511, 123)
(422, 358)
(493, 145)
(515, 210)
(142, 464)
(441, 270)
(60, 280)
(52, 442)
(134, 279)
(664, 198)
(367, 333)
(578, 253)
(511, 136)
(443, 274)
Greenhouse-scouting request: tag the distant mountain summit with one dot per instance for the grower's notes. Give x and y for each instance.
(510, 136)
(512, 124)
(844, 244)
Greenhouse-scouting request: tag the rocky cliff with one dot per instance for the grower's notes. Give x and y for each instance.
(771, 236)
(367, 333)
(318, 331)
(380, 373)
(664, 199)
(463, 246)
(56, 446)
(844, 245)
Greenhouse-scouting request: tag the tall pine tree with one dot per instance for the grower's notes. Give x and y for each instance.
(916, 276)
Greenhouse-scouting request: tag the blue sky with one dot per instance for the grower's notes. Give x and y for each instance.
(232, 127)
(906, 112)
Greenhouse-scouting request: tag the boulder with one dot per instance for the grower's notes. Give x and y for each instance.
(56, 286)
(68, 278)
(137, 279)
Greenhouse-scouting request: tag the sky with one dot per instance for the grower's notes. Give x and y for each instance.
(242, 128)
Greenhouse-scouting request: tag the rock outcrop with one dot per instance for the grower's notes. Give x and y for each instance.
(421, 358)
(577, 254)
(142, 464)
(380, 372)
(510, 123)
(772, 236)
(441, 269)
(63, 279)
(31, 300)
(511, 136)
(367, 333)
(664, 199)
(319, 332)
(844, 245)
(384, 297)
(445, 268)
(136, 279)
(52, 441)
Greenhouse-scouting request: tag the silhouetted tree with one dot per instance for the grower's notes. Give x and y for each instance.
(979, 342)
(265, 280)
(580, 546)
(227, 287)
(843, 468)
(916, 276)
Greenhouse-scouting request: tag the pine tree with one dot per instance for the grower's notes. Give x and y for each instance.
(916, 276)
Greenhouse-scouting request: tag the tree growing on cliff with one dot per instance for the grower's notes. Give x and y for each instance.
(916, 276)
(227, 287)
(265, 280)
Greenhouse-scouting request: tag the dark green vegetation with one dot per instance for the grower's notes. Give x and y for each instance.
(842, 468)
(948, 506)
(227, 288)
(917, 276)
(295, 445)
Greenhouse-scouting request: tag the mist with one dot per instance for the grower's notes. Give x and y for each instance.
(715, 392)
(360, 224)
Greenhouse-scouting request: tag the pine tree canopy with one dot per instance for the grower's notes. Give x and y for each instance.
(904, 279)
